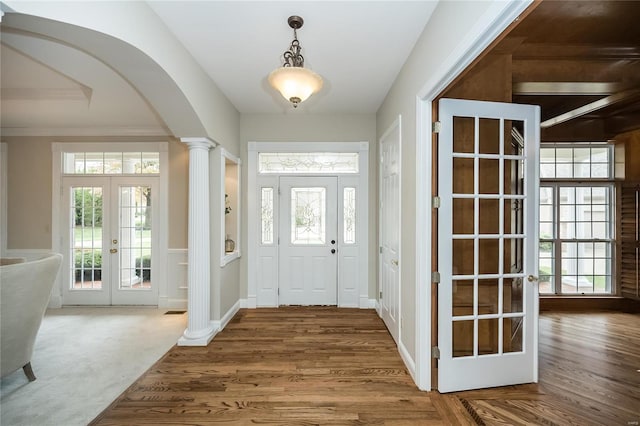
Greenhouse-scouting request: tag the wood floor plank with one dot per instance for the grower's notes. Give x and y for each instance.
(330, 366)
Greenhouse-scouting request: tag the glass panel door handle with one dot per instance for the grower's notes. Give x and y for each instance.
(333, 241)
(333, 251)
(532, 278)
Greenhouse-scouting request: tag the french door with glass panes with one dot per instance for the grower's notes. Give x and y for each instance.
(487, 244)
(109, 240)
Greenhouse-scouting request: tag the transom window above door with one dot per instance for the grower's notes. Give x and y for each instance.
(110, 163)
(308, 162)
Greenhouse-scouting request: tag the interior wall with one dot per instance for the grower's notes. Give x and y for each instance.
(297, 127)
(448, 28)
(631, 141)
(29, 186)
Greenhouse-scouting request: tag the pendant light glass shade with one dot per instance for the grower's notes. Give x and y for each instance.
(295, 84)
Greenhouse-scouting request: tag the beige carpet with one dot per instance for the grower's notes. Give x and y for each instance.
(84, 358)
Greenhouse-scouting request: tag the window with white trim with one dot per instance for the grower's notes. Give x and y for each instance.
(110, 163)
(576, 249)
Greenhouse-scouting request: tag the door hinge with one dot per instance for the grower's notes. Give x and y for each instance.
(380, 249)
(380, 295)
(278, 240)
(278, 292)
(435, 202)
(435, 277)
(436, 126)
(278, 190)
(435, 352)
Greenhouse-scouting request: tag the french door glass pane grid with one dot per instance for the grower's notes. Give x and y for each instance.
(135, 237)
(86, 235)
(481, 329)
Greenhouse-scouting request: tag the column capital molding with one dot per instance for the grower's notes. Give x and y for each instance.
(199, 142)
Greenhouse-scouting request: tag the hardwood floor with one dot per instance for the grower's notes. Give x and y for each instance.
(305, 366)
(589, 375)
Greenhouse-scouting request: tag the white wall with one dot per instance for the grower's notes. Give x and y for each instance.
(296, 127)
(446, 41)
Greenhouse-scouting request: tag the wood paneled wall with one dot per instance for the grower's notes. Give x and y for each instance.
(489, 80)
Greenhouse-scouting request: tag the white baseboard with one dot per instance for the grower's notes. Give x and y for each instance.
(249, 303)
(366, 303)
(55, 301)
(229, 315)
(408, 361)
(168, 303)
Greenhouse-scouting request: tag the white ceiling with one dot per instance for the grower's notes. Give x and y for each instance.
(357, 46)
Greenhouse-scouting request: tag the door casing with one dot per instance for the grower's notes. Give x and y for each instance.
(353, 263)
(161, 218)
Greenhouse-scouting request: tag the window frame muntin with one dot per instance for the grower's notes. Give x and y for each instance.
(555, 184)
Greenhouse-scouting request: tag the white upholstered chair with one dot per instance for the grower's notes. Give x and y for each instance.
(24, 294)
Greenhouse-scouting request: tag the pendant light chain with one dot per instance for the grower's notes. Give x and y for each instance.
(293, 57)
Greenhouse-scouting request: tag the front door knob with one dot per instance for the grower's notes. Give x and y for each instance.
(333, 251)
(113, 251)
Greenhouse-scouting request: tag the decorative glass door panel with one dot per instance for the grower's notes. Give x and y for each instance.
(487, 244)
(308, 216)
(308, 241)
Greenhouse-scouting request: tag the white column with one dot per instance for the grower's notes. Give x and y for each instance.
(200, 329)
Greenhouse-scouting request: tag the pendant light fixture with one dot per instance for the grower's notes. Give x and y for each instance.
(295, 82)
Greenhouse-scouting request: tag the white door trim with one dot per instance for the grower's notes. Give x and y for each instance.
(161, 219)
(488, 27)
(256, 181)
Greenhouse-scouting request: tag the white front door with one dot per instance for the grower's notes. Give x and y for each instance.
(109, 240)
(390, 229)
(487, 244)
(308, 241)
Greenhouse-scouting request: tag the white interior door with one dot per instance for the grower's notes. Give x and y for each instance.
(487, 238)
(390, 229)
(109, 240)
(308, 241)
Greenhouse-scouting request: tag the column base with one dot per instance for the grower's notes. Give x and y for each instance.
(202, 338)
